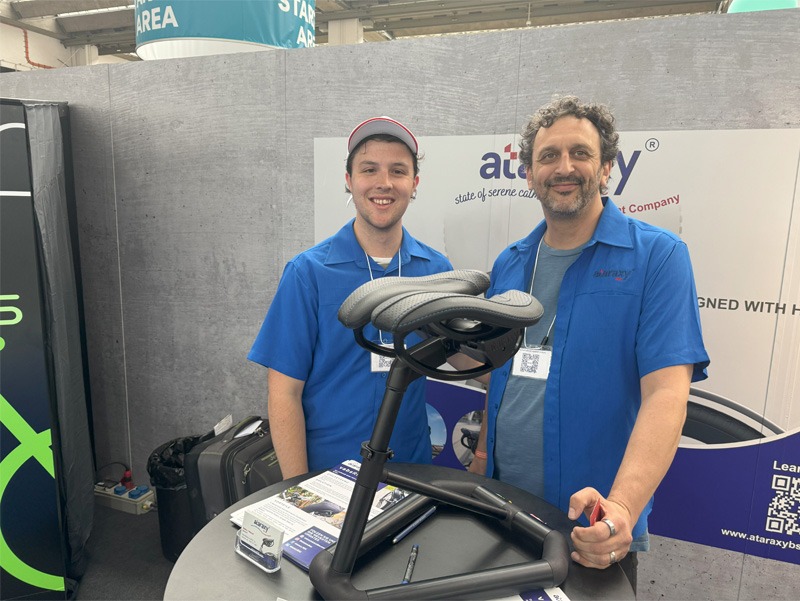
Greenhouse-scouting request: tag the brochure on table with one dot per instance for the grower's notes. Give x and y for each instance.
(548, 594)
(311, 513)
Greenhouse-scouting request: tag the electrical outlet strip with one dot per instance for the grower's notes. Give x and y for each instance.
(105, 495)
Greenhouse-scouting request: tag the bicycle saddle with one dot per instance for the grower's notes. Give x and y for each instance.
(443, 307)
(411, 311)
(357, 308)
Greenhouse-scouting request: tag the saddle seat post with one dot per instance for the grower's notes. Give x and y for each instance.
(376, 452)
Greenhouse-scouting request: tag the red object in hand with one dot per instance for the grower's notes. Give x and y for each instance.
(127, 480)
(597, 513)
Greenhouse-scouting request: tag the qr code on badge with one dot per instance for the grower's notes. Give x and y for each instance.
(529, 363)
(783, 514)
(385, 363)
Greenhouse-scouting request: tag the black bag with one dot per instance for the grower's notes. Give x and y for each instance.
(227, 468)
(166, 466)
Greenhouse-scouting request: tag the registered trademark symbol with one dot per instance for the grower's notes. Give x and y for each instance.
(652, 144)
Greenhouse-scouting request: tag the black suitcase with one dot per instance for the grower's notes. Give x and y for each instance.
(192, 473)
(225, 469)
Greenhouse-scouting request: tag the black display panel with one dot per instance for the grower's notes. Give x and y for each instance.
(32, 542)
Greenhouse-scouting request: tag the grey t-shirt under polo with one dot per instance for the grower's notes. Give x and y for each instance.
(518, 453)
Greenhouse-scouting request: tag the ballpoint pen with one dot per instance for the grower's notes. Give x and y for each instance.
(405, 531)
(412, 560)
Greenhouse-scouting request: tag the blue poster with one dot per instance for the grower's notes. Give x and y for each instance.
(742, 496)
(455, 412)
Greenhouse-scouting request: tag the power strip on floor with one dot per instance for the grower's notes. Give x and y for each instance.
(138, 500)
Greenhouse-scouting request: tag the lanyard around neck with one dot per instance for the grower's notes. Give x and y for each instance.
(533, 277)
(399, 265)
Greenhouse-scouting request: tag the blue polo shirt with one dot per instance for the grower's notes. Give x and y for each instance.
(627, 307)
(302, 337)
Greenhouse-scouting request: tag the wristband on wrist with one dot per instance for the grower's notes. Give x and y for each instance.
(481, 454)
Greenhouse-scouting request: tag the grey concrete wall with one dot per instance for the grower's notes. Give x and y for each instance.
(194, 186)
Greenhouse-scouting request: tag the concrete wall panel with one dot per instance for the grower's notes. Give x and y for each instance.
(198, 149)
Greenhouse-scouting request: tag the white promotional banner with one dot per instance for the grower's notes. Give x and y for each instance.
(734, 198)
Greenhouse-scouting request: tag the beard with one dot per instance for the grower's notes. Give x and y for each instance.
(563, 206)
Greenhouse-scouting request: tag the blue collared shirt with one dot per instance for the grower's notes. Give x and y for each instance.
(627, 307)
(302, 337)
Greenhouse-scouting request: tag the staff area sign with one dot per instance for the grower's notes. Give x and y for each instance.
(734, 197)
(265, 23)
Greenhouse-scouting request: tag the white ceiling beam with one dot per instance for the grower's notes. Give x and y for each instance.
(45, 8)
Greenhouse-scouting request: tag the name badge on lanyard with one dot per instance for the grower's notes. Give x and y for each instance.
(532, 362)
(379, 363)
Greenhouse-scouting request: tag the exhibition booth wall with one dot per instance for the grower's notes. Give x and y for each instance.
(196, 180)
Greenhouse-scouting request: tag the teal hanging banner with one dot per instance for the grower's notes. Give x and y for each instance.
(746, 6)
(274, 23)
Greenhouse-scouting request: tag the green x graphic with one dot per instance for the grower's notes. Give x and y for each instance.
(31, 445)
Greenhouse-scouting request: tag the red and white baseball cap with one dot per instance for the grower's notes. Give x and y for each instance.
(382, 125)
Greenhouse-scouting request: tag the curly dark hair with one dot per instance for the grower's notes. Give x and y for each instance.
(598, 114)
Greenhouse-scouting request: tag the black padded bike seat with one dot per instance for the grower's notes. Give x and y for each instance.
(357, 308)
(404, 304)
(446, 308)
(408, 312)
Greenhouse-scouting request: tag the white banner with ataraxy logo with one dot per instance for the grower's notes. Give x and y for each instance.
(734, 197)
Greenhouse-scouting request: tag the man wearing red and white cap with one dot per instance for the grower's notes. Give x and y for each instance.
(324, 389)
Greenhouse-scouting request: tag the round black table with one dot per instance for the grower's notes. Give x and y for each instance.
(450, 542)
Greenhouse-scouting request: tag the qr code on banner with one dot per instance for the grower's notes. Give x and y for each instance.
(529, 363)
(783, 514)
